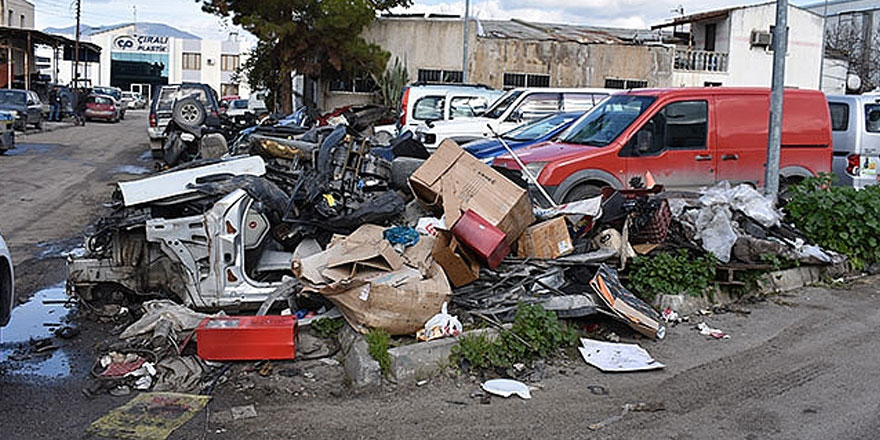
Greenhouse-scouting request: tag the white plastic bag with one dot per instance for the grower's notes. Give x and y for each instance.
(715, 231)
(439, 326)
(430, 225)
(754, 205)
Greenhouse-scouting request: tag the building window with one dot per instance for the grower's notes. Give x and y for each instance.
(709, 45)
(360, 84)
(712, 84)
(617, 83)
(192, 61)
(229, 63)
(514, 80)
(227, 89)
(11, 15)
(440, 76)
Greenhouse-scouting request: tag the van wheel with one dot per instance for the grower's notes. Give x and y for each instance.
(582, 191)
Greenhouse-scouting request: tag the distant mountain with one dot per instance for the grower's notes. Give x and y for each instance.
(143, 28)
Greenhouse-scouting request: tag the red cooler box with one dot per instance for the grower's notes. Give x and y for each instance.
(481, 237)
(237, 338)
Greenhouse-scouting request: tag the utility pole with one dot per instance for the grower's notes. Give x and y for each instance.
(76, 44)
(134, 14)
(464, 58)
(824, 34)
(780, 47)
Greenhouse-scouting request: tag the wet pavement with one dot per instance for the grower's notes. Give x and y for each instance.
(28, 346)
(31, 149)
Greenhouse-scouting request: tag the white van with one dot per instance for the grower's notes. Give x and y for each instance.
(423, 102)
(855, 129)
(516, 107)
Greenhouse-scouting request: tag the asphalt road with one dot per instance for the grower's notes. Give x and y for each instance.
(799, 366)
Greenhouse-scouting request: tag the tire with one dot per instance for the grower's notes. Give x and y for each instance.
(189, 112)
(581, 192)
(39, 124)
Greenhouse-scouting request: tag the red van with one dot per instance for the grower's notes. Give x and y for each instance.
(687, 138)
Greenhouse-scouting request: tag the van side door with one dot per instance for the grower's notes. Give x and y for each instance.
(741, 135)
(674, 145)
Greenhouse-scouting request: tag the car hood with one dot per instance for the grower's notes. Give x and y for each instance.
(11, 107)
(462, 126)
(484, 148)
(545, 152)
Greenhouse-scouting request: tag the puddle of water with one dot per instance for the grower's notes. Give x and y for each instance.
(132, 169)
(27, 324)
(61, 248)
(22, 149)
(146, 156)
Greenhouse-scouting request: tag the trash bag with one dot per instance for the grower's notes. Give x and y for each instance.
(757, 207)
(439, 326)
(715, 231)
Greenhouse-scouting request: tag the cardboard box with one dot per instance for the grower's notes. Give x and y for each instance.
(452, 181)
(460, 265)
(370, 284)
(546, 240)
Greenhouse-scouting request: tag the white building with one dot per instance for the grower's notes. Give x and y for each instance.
(141, 56)
(17, 14)
(732, 47)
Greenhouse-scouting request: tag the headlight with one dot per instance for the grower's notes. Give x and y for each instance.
(535, 168)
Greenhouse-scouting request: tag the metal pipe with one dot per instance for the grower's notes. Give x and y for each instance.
(780, 47)
(522, 166)
(824, 33)
(464, 57)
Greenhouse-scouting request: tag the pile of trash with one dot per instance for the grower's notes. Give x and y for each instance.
(305, 221)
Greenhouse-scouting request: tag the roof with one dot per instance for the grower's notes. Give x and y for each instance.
(717, 13)
(146, 28)
(524, 30)
(47, 39)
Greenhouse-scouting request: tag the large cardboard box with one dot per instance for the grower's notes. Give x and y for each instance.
(546, 240)
(452, 181)
(460, 266)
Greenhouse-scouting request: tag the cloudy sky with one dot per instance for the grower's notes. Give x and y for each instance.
(186, 15)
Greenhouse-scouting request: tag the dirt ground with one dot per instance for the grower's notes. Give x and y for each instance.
(799, 366)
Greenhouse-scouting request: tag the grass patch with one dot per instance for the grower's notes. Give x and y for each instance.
(377, 341)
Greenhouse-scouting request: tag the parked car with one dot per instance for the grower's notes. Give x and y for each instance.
(237, 108)
(7, 132)
(687, 138)
(516, 107)
(116, 94)
(134, 100)
(102, 107)
(855, 127)
(257, 103)
(162, 107)
(224, 102)
(438, 102)
(527, 134)
(26, 106)
(7, 283)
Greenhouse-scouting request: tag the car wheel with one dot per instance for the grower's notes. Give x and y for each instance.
(581, 192)
(39, 124)
(189, 112)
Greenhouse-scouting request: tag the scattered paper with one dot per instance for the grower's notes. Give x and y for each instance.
(713, 332)
(617, 357)
(507, 388)
(243, 412)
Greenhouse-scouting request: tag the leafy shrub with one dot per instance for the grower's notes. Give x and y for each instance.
(672, 274)
(327, 327)
(377, 341)
(838, 218)
(536, 333)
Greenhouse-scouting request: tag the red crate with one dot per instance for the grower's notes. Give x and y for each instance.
(237, 338)
(481, 237)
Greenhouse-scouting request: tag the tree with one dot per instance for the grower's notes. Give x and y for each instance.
(316, 38)
(856, 43)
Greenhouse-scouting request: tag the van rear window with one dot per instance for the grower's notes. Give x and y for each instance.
(839, 116)
(872, 118)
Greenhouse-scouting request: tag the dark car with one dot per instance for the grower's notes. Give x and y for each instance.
(7, 284)
(527, 134)
(162, 107)
(26, 106)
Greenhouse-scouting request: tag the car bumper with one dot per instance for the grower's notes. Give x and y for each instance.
(100, 114)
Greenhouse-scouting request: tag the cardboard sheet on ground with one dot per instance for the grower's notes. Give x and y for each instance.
(149, 416)
(616, 357)
(626, 306)
(366, 279)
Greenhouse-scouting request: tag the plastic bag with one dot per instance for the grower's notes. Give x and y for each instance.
(439, 326)
(754, 205)
(430, 225)
(715, 231)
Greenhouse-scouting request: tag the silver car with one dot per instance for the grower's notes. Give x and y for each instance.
(855, 128)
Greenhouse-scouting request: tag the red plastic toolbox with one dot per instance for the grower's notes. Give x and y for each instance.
(481, 237)
(234, 338)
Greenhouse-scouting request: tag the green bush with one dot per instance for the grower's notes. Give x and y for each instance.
(838, 218)
(327, 327)
(536, 333)
(672, 274)
(377, 341)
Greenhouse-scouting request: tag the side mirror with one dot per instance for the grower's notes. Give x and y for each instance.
(644, 141)
(516, 116)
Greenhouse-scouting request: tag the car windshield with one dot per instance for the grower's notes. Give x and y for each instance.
(502, 104)
(12, 98)
(108, 91)
(605, 122)
(539, 128)
(240, 103)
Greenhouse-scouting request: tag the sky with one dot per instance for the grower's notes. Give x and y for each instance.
(187, 15)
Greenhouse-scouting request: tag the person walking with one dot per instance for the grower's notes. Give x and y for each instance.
(79, 106)
(54, 105)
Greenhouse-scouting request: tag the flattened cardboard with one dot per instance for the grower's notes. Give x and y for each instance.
(460, 265)
(452, 181)
(626, 306)
(365, 248)
(546, 240)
